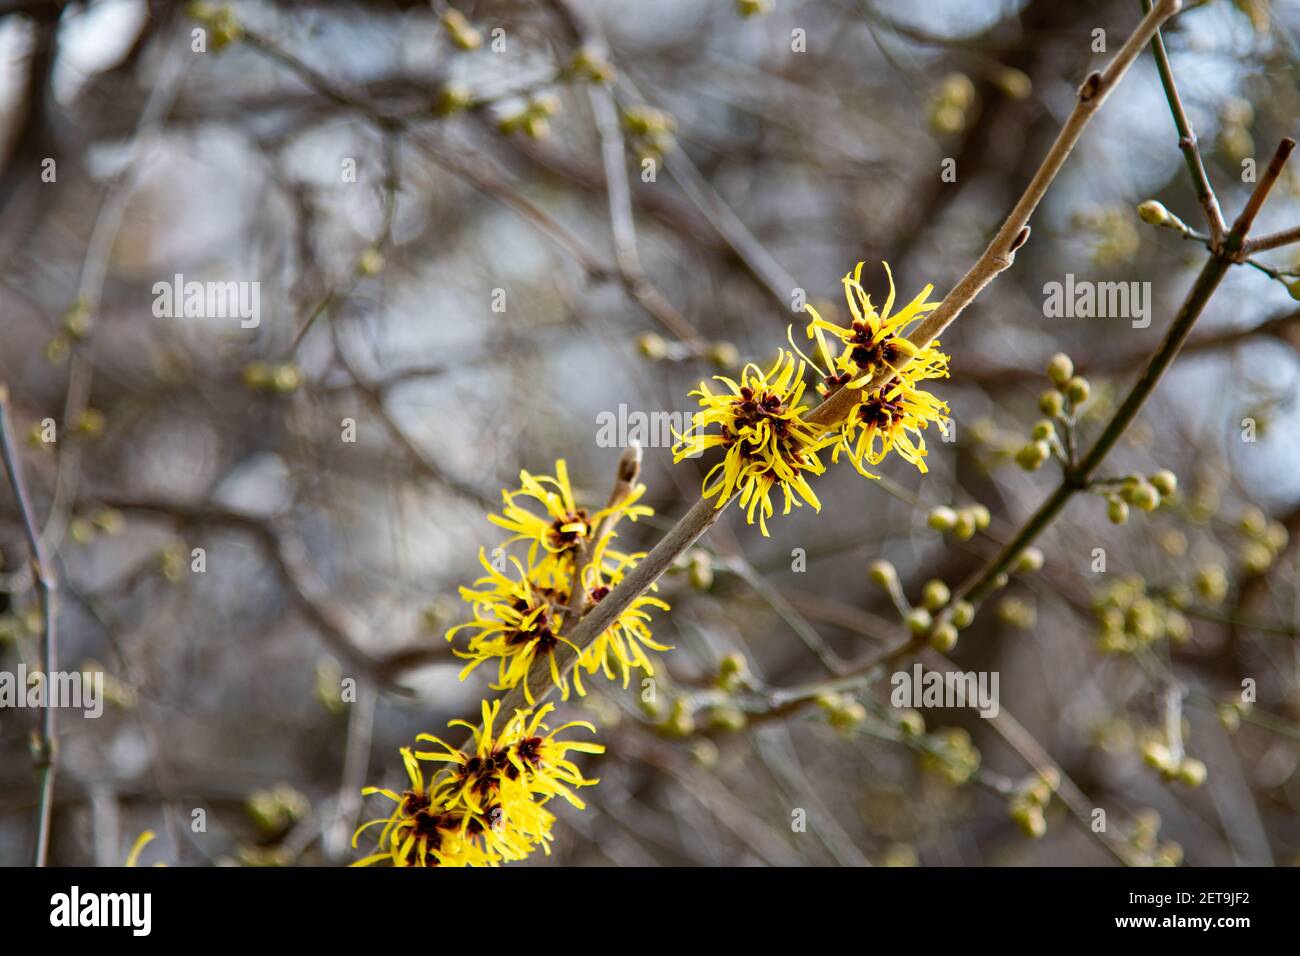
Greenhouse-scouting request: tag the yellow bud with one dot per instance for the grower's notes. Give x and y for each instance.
(918, 620)
(963, 613)
(724, 355)
(882, 573)
(1153, 212)
(257, 375)
(371, 262)
(1116, 509)
(957, 90)
(286, 378)
(1165, 482)
(1145, 496)
(729, 719)
(942, 519)
(1060, 369)
(1016, 84)
(1077, 390)
(944, 637)
(1051, 404)
(652, 346)
(453, 98)
(934, 595)
(1191, 772)
(1029, 561)
(461, 31)
(911, 722)
(701, 570)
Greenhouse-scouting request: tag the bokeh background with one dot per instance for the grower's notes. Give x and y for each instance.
(473, 254)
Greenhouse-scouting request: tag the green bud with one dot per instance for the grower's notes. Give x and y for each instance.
(1191, 772)
(963, 613)
(1165, 482)
(942, 519)
(1051, 404)
(700, 570)
(944, 637)
(1153, 212)
(1145, 496)
(652, 346)
(1077, 390)
(934, 595)
(918, 620)
(882, 573)
(965, 528)
(1043, 430)
(911, 722)
(1060, 369)
(1116, 509)
(1029, 561)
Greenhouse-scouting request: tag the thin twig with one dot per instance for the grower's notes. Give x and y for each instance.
(1187, 140)
(44, 745)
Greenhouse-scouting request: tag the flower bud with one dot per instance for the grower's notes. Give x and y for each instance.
(1165, 482)
(981, 515)
(1116, 509)
(911, 722)
(724, 355)
(1016, 84)
(942, 519)
(1051, 404)
(1060, 369)
(1153, 212)
(963, 613)
(652, 346)
(934, 595)
(1043, 430)
(1077, 390)
(700, 570)
(461, 31)
(1029, 561)
(882, 573)
(1191, 772)
(1145, 496)
(944, 637)
(918, 620)
(966, 526)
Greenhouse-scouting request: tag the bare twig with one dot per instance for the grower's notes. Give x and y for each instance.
(45, 744)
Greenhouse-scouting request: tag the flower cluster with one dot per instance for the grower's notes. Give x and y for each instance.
(488, 804)
(770, 441)
(520, 617)
(483, 806)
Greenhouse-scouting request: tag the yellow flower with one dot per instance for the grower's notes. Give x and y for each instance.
(506, 779)
(421, 831)
(767, 441)
(874, 340)
(891, 418)
(515, 622)
(562, 528)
